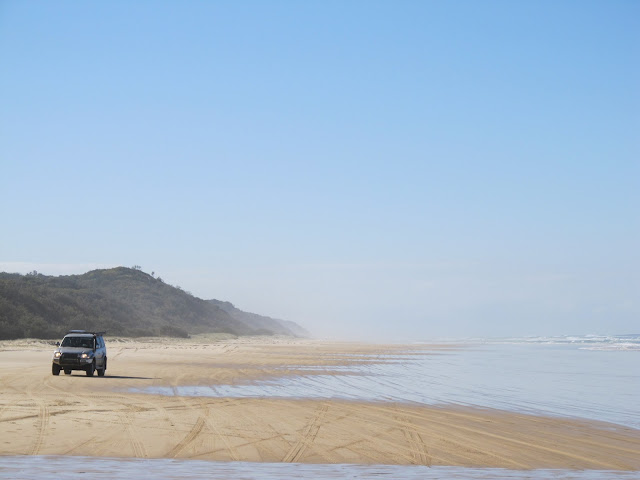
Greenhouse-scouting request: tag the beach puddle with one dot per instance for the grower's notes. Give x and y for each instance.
(90, 468)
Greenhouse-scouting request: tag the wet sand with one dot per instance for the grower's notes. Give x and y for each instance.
(41, 414)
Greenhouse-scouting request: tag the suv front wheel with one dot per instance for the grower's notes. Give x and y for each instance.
(90, 369)
(55, 369)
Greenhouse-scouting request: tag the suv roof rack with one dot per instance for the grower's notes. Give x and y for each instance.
(85, 331)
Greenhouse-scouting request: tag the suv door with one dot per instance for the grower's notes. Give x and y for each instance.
(100, 352)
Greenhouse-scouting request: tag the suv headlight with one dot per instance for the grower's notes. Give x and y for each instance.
(56, 354)
(86, 355)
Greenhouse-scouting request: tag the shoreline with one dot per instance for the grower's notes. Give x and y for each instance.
(76, 415)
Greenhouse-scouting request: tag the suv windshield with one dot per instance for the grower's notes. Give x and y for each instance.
(78, 342)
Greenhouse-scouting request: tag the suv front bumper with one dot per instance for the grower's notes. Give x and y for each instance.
(71, 362)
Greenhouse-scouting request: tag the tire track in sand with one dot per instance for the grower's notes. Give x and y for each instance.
(138, 447)
(208, 418)
(308, 437)
(42, 421)
(417, 446)
(188, 438)
(43, 425)
(125, 419)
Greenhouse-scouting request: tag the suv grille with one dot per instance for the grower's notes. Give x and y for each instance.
(69, 359)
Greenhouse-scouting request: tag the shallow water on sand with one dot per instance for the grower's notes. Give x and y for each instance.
(90, 468)
(552, 379)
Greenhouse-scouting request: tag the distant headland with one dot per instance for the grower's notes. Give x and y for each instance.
(124, 302)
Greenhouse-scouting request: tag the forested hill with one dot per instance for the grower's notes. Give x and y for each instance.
(122, 301)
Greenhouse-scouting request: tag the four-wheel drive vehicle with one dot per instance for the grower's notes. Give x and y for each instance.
(80, 350)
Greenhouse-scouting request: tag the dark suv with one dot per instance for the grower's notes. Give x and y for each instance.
(80, 350)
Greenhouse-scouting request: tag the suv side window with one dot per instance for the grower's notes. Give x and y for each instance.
(99, 342)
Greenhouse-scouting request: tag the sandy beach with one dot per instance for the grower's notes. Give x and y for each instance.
(41, 414)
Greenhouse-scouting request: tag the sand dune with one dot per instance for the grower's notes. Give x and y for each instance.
(76, 415)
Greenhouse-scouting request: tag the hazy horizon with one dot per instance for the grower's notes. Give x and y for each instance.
(374, 170)
(61, 270)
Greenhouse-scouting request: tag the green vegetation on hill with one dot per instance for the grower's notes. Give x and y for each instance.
(122, 301)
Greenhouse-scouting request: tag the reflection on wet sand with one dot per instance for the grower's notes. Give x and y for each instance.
(90, 468)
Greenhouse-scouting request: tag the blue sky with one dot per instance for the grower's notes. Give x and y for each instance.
(376, 170)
